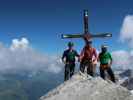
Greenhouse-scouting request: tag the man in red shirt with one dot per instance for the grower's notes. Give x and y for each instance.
(87, 57)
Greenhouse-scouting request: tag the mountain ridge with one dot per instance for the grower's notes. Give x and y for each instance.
(81, 87)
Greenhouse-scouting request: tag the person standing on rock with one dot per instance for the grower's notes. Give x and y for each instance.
(68, 58)
(105, 59)
(87, 58)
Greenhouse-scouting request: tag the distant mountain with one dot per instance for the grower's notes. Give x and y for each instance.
(128, 76)
(126, 73)
(12, 90)
(25, 85)
(128, 83)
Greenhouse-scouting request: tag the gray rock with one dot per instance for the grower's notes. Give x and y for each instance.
(128, 83)
(87, 88)
(130, 97)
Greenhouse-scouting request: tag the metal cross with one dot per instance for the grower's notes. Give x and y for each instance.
(86, 35)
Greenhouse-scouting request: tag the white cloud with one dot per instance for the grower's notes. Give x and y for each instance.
(122, 59)
(20, 56)
(126, 33)
(23, 43)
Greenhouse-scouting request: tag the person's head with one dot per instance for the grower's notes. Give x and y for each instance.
(70, 45)
(104, 48)
(89, 43)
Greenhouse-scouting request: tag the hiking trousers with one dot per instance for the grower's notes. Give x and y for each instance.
(89, 65)
(69, 71)
(106, 67)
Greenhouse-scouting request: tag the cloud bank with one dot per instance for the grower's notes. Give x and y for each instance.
(122, 59)
(126, 32)
(21, 56)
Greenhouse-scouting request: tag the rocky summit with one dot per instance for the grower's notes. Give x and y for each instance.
(83, 87)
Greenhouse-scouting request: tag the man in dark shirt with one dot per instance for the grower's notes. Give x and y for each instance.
(68, 58)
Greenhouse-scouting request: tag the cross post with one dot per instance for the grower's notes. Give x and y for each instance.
(86, 35)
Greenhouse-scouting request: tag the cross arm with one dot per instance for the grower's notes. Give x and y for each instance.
(87, 36)
(63, 36)
(101, 35)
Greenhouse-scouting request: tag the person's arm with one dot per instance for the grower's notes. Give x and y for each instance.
(111, 60)
(63, 56)
(81, 54)
(98, 59)
(95, 55)
(76, 53)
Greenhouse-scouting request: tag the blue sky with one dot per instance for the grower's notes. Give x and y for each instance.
(42, 21)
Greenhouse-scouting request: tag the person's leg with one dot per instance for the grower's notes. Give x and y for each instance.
(111, 74)
(66, 76)
(72, 69)
(94, 69)
(90, 69)
(102, 74)
(82, 66)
